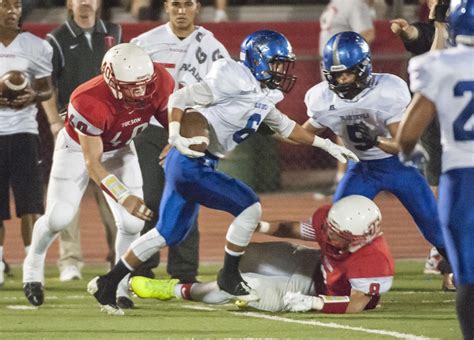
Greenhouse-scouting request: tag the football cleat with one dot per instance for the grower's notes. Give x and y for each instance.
(34, 292)
(235, 285)
(241, 304)
(153, 289)
(105, 293)
(125, 302)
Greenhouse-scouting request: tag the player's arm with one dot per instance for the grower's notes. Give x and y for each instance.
(50, 107)
(188, 96)
(358, 301)
(416, 119)
(92, 149)
(283, 229)
(296, 133)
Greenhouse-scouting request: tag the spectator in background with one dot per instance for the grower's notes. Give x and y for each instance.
(19, 166)
(418, 39)
(79, 46)
(340, 16)
(220, 15)
(174, 45)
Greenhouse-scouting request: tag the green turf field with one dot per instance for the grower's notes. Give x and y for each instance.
(415, 308)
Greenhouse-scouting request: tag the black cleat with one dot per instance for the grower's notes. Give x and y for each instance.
(105, 293)
(34, 292)
(125, 302)
(235, 285)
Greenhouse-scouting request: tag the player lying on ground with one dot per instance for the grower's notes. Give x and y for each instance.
(348, 274)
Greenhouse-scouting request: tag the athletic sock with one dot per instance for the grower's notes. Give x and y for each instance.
(231, 261)
(118, 272)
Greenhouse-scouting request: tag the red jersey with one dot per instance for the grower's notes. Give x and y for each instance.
(94, 111)
(370, 269)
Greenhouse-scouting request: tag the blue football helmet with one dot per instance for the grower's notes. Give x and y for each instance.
(269, 56)
(461, 22)
(347, 52)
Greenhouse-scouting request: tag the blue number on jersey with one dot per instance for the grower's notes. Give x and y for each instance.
(458, 126)
(250, 127)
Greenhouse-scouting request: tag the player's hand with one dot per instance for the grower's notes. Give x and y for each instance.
(4, 101)
(418, 158)
(367, 135)
(182, 144)
(297, 302)
(341, 153)
(403, 28)
(136, 206)
(25, 99)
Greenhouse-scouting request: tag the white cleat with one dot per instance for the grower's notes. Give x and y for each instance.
(70, 273)
(112, 310)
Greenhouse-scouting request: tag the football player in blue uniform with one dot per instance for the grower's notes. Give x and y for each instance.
(443, 83)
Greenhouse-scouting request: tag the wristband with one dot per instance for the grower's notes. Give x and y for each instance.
(333, 304)
(112, 186)
(319, 143)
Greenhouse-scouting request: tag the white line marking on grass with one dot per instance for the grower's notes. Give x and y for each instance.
(334, 325)
(319, 324)
(22, 307)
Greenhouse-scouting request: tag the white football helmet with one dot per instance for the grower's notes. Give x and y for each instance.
(128, 71)
(353, 222)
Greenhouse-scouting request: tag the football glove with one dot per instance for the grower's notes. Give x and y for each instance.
(339, 152)
(367, 135)
(297, 302)
(418, 158)
(182, 144)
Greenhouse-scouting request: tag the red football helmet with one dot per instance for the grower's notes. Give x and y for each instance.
(129, 73)
(352, 222)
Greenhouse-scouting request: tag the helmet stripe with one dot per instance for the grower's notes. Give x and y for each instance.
(335, 51)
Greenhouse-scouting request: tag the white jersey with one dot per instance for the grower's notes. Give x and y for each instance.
(239, 105)
(187, 60)
(446, 78)
(344, 15)
(378, 106)
(32, 55)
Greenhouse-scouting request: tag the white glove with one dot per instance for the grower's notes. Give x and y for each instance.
(339, 152)
(297, 302)
(418, 158)
(182, 144)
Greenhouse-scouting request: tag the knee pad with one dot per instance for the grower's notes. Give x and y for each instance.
(243, 226)
(147, 245)
(128, 223)
(60, 216)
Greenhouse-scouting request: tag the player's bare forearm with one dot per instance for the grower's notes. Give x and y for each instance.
(301, 136)
(358, 301)
(92, 149)
(389, 145)
(175, 115)
(283, 229)
(43, 88)
(417, 117)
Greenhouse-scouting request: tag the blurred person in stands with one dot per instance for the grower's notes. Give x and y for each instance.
(220, 14)
(79, 46)
(418, 38)
(19, 143)
(340, 16)
(187, 51)
(103, 116)
(443, 83)
(365, 109)
(349, 273)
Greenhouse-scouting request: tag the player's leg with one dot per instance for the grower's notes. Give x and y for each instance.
(70, 252)
(67, 183)
(457, 220)
(414, 193)
(4, 197)
(357, 181)
(27, 182)
(216, 190)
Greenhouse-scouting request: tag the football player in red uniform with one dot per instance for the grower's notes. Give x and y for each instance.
(104, 115)
(347, 275)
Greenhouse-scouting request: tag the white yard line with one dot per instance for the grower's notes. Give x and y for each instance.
(319, 324)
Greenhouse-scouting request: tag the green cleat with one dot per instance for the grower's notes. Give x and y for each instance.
(147, 288)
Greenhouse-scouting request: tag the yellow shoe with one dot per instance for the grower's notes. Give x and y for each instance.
(147, 288)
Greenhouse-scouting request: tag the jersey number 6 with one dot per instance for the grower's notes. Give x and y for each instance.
(250, 127)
